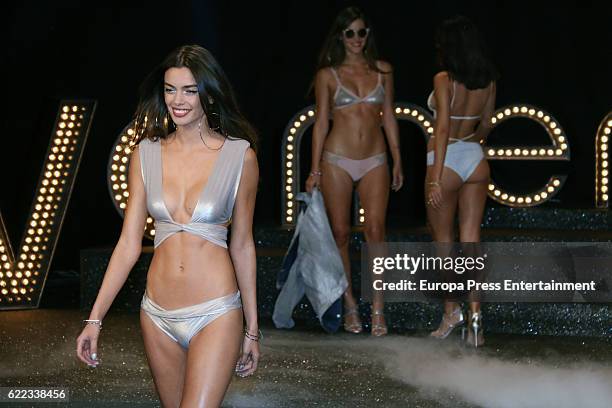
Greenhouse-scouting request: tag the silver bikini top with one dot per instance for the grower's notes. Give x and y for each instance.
(215, 203)
(432, 105)
(344, 97)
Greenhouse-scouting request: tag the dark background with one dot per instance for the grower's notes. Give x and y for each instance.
(553, 55)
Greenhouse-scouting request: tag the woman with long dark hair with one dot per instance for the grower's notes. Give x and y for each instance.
(355, 88)
(193, 170)
(463, 101)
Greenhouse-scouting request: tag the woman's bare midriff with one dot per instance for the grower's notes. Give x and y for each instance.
(356, 132)
(187, 270)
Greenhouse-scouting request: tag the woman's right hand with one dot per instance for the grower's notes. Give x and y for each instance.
(87, 345)
(312, 181)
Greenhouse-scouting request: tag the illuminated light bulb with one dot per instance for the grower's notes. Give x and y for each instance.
(118, 197)
(362, 219)
(517, 151)
(297, 124)
(552, 125)
(302, 118)
(604, 146)
(290, 196)
(289, 172)
(64, 116)
(520, 200)
(65, 109)
(534, 152)
(399, 110)
(290, 138)
(497, 193)
(311, 113)
(542, 152)
(122, 168)
(604, 197)
(122, 206)
(491, 152)
(550, 152)
(525, 152)
(426, 123)
(289, 211)
(288, 188)
(491, 187)
(523, 109)
(500, 115)
(604, 164)
(515, 109)
(289, 164)
(604, 139)
(540, 114)
(289, 219)
(290, 147)
(606, 131)
(507, 111)
(557, 131)
(62, 125)
(289, 180)
(414, 113)
(563, 146)
(361, 211)
(420, 118)
(290, 156)
(604, 181)
(493, 120)
(430, 130)
(604, 189)
(508, 152)
(113, 178)
(537, 197)
(292, 131)
(126, 194)
(290, 204)
(604, 173)
(558, 152)
(504, 196)
(528, 200)
(532, 111)
(500, 152)
(546, 118)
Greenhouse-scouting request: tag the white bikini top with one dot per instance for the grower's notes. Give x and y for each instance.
(215, 203)
(431, 103)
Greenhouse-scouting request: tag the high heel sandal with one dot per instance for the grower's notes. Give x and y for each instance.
(475, 335)
(447, 325)
(378, 329)
(355, 327)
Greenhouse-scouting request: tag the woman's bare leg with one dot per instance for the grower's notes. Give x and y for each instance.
(472, 200)
(337, 189)
(373, 189)
(167, 362)
(211, 361)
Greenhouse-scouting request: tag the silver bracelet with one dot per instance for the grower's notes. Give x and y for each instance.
(95, 322)
(316, 173)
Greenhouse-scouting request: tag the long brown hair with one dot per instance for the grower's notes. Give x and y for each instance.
(152, 119)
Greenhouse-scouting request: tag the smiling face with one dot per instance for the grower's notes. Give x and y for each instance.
(354, 37)
(181, 96)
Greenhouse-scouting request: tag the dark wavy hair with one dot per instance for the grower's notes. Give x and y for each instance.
(333, 52)
(152, 119)
(462, 52)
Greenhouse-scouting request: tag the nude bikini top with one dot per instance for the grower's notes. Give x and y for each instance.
(216, 200)
(344, 97)
(431, 103)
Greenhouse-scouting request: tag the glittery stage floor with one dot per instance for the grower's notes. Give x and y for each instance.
(306, 368)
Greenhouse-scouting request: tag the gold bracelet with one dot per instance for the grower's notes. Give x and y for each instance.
(434, 183)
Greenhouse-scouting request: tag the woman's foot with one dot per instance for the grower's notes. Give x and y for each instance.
(352, 321)
(379, 326)
(475, 335)
(448, 323)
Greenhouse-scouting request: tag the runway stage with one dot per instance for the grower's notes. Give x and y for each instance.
(308, 368)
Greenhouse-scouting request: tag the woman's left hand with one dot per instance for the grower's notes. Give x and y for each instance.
(249, 357)
(398, 178)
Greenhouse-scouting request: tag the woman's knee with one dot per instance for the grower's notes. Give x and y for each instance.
(342, 233)
(374, 231)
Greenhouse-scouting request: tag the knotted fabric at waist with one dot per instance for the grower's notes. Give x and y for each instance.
(215, 233)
